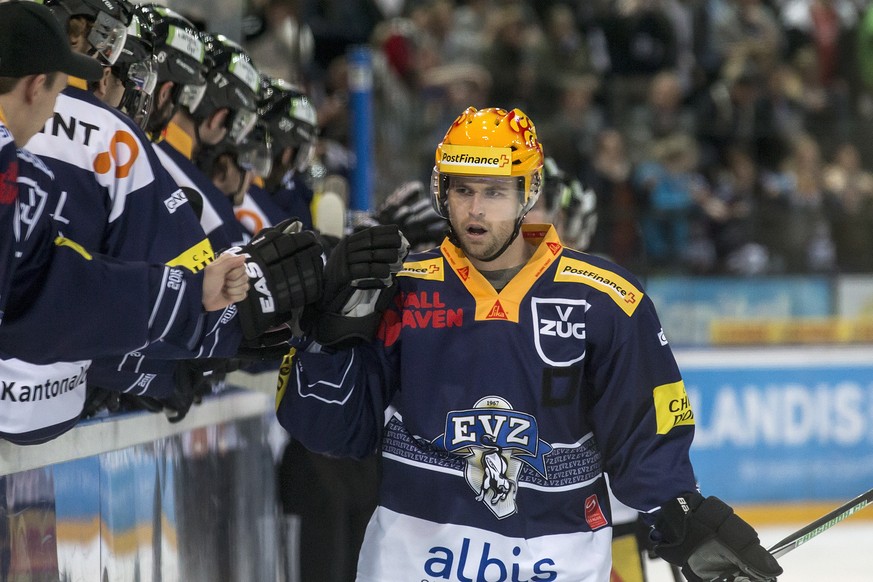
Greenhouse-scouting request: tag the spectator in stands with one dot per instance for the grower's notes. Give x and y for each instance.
(825, 106)
(511, 57)
(730, 111)
(562, 53)
(792, 218)
(849, 203)
(671, 189)
(641, 41)
(618, 234)
(279, 42)
(664, 112)
(746, 29)
(572, 129)
(729, 212)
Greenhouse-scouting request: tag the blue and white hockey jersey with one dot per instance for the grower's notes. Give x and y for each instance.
(216, 217)
(497, 415)
(112, 197)
(258, 210)
(61, 305)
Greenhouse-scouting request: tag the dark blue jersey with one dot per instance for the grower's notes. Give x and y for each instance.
(294, 196)
(63, 305)
(497, 415)
(258, 210)
(216, 210)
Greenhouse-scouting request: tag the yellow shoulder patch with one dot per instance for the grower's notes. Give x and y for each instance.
(431, 269)
(672, 407)
(194, 258)
(617, 287)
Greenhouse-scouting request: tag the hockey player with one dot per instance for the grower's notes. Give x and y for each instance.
(508, 375)
(116, 197)
(289, 116)
(225, 109)
(240, 175)
(43, 317)
(572, 209)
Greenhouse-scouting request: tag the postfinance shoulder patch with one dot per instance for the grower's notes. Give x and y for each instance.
(615, 286)
(431, 269)
(672, 407)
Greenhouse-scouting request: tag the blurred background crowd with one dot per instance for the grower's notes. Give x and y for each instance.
(721, 136)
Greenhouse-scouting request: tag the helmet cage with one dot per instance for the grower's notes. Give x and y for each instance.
(139, 80)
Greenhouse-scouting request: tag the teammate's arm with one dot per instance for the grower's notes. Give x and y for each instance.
(86, 305)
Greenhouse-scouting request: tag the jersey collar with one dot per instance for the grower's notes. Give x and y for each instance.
(179, 140)
(505, 305)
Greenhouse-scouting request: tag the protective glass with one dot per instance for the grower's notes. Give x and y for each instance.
(256, 155)
(497, 197)
(107, 36)
(191, 96)
(304, 156)
(241, 125)
(139, 87)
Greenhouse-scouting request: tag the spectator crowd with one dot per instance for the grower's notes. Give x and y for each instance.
(721, 136)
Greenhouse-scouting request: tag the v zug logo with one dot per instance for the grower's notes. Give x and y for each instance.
(559, 329)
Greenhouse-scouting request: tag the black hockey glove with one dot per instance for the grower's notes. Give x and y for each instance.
(285, 274)
(707, 539)
(410, 208)
(358, 285)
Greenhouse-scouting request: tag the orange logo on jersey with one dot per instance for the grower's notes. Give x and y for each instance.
(496, 312)
(463, 273)
(555, 247)
(104, 160)
(251, 220)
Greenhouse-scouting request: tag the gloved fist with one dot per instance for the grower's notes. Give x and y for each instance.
(706, 538)
(358, 284)
(410, 208)
(285, 267)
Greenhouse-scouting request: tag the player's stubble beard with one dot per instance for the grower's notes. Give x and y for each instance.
(498, 235)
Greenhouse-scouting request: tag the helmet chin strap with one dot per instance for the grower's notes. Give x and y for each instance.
(453, 238)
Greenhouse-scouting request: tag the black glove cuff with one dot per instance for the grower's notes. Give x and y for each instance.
(680, 529)
(338, 331)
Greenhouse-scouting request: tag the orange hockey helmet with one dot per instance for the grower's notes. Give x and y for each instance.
(490, 142)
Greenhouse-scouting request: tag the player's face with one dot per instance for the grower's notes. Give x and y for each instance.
(483, 211)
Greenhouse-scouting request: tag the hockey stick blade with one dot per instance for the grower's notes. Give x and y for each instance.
(811, 530)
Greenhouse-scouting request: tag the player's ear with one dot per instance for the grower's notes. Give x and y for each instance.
(218, 117)
(102, 85)
(32, 86)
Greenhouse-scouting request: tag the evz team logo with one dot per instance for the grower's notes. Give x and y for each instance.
(559, 329)
(495, 440)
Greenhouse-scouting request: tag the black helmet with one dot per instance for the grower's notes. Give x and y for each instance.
(110, 19)
(232, 82)
(181, 59)
(136, 67)
(289, 117)
(571, 204)
(178, 46)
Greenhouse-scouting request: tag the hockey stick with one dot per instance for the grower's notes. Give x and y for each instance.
(807, 532)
